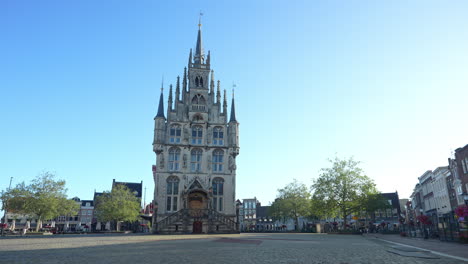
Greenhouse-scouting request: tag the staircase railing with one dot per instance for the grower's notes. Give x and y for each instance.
(171, 219)
(217, 216)
(198, 214)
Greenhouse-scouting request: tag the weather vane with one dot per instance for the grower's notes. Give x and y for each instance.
(199, 19)
(233, 86)
(162, 84)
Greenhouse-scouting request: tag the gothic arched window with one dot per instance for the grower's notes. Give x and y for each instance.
(198, 103)
(172, 191)
(218, 192)
(197, 135)
(218, 136)
(201, 81)
(175, 134)
(218, 156)
(174, 159)
(195, 160)
(196, 81)
(201, 100)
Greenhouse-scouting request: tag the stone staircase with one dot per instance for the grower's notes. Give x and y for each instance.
(212, 221)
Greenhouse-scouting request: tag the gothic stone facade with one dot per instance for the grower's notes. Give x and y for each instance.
(196, 148)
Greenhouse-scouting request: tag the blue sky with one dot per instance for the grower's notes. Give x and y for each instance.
(383, 81)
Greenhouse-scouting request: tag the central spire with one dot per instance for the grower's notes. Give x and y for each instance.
(199, 57)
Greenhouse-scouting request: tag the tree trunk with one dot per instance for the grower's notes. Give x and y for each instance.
(344, 219)
(38, 224)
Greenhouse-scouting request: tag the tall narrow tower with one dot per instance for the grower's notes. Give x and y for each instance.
(196, 147)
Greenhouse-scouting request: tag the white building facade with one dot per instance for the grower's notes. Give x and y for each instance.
(196, 145)
(441, 194)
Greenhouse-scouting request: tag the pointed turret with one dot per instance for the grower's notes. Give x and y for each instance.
(190, 58)
(212, 83)
(169, 101)
(159, 123)
(161, 105)
(233, 110)
(177, 90)
(208, 59)
(184, 81)
(218, 95)
(225, 103)
(199, 57)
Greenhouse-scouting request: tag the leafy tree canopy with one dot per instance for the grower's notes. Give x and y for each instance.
(45, 198)
(293, 201)
(120, 204)
(343, 188)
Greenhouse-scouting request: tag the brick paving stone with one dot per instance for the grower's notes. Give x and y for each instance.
(263, 248)
(450, 248)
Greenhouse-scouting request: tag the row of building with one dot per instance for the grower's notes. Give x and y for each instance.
(84, 220)
(440, 192)
(253, 217)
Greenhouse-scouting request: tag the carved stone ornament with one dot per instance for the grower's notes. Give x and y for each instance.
(234, 152)
(161, 160)
(209, 135)
(186, 134)
(232, 163)
(184, 161)
(158, 148)
(209, 162)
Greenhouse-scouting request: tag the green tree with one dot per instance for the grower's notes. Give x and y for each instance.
(343, 188)
(276, 210)
(319, 209)
(120, 204)
(16, 200)
(45, 198)
(293, 201)
(373, 203)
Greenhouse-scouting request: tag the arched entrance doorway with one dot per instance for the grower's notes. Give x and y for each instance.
(197, 205)
(197, 200)
(197, 227)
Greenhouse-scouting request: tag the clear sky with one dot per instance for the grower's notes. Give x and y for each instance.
(383, 81)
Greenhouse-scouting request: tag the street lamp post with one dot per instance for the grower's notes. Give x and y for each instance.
(465, 197)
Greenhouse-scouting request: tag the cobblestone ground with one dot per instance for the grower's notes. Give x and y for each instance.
(243, 248)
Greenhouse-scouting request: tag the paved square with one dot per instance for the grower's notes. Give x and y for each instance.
(243, 248)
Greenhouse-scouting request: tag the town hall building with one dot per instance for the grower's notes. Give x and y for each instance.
(196, 144)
